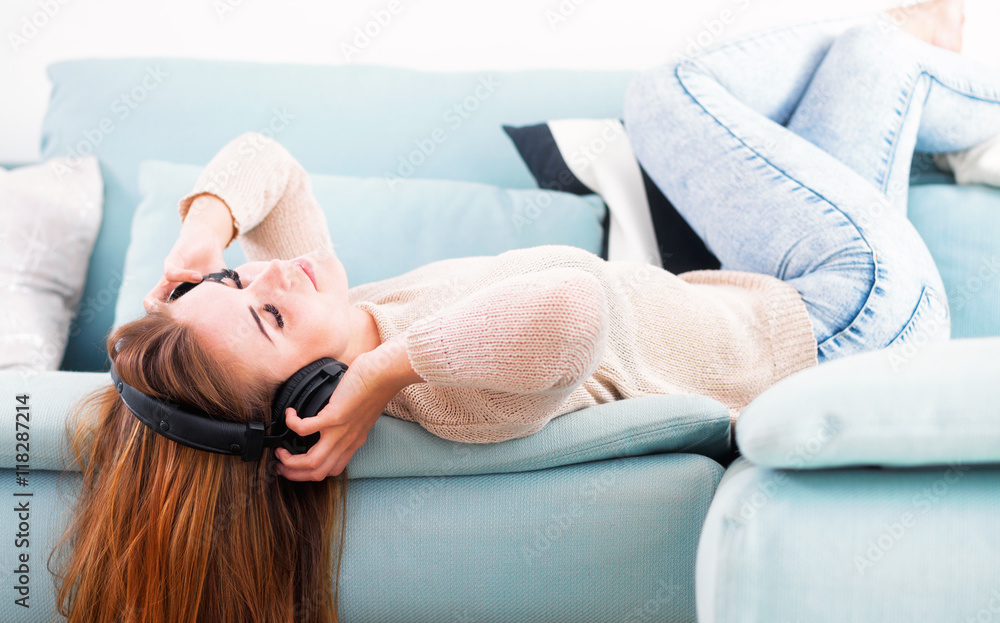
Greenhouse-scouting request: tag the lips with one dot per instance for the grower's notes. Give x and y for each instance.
(307, 269)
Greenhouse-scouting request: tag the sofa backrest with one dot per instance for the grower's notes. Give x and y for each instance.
(363, 120)
(370, 120)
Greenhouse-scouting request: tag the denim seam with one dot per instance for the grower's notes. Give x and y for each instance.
(991, 100)
(858, 318)
(894, 145)
(909, 102)
(923, 302)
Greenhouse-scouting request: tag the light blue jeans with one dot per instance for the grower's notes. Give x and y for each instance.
(788, 152)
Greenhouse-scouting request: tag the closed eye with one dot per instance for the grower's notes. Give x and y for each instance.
(277, 315)
(235, 276)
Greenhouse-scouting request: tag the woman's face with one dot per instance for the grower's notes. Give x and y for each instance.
(279, 320)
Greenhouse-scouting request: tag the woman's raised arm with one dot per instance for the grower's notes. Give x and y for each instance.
(207, 230)
(269, 196)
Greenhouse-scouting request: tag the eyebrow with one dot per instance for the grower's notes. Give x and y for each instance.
(259, 325)
(253, 313)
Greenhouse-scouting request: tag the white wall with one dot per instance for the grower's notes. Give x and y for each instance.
(424, 34)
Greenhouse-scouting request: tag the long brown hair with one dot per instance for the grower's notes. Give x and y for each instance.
(165, 533)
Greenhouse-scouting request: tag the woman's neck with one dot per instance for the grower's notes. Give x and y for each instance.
(365, 336)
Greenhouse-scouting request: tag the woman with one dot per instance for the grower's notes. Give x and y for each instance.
(787, 151)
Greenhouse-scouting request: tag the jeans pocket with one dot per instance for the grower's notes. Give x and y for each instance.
(930, 322)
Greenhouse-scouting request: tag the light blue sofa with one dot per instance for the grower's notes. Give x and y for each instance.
(868, 489)
(595, 518)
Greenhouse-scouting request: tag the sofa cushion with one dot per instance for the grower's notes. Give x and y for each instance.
(358, 120)
(380, 230)
(632, 427)
(924, 404)
(961, 226)
(49, 217)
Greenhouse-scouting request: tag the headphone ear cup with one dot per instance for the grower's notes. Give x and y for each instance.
(306, 392)
(284, 393)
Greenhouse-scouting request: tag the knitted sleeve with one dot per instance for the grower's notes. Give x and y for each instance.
(269, 195)
(543, 332)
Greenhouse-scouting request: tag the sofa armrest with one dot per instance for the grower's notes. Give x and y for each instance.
(39, 403)
(934, 404)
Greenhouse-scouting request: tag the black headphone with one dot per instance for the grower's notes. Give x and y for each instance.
(307, 391)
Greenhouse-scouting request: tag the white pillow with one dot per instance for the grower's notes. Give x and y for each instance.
(49, 217)
(977, 165)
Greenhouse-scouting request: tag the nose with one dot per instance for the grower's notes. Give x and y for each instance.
(275, 276)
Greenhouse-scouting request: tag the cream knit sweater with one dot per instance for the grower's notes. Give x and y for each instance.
(508, 342)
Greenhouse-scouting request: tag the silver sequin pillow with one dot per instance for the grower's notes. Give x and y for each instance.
(49, 217)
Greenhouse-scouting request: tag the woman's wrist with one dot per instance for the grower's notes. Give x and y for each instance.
(211, 213)
(389, 365)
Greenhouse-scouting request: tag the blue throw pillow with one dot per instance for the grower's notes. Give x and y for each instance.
(379, 230)
(930, 405)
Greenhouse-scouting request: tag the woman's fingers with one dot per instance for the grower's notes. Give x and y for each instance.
(157, 295)
(166, 285)
(172, 272)
(322, 455)
(304, 427)
(332, 463)
(193, 254)
(311, 465)
(344, 424)
(179, 274)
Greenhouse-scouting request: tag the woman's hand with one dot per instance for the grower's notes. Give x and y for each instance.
(198, 250)
(370, 382)
(194, 254)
